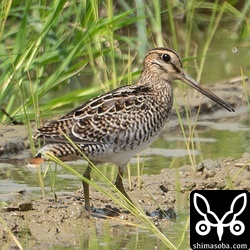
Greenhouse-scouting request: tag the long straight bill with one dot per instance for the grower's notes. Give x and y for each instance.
(185, 77)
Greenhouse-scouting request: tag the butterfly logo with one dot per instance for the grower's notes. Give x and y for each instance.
(210, 219)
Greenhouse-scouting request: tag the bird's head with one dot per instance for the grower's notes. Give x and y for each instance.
(167, 66)
(164, 62)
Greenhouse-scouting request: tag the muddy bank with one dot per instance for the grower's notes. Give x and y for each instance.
(66, 223)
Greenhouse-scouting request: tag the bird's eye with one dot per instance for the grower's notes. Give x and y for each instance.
(166, 57)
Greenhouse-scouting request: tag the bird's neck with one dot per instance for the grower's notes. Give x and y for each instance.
(160, 89)
(154, 81)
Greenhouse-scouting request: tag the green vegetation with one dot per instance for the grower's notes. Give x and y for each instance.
(54, 55)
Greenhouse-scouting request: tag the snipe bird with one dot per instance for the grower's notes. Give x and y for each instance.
(115, 126)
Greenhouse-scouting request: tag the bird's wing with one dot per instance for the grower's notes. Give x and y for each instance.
(100, 118)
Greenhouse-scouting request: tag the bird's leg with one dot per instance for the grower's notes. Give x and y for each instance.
(86, 188)
(119, 184)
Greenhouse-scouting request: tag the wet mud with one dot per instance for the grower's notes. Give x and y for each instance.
(65, 221)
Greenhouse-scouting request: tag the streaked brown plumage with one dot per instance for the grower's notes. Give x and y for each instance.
(117, 125)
